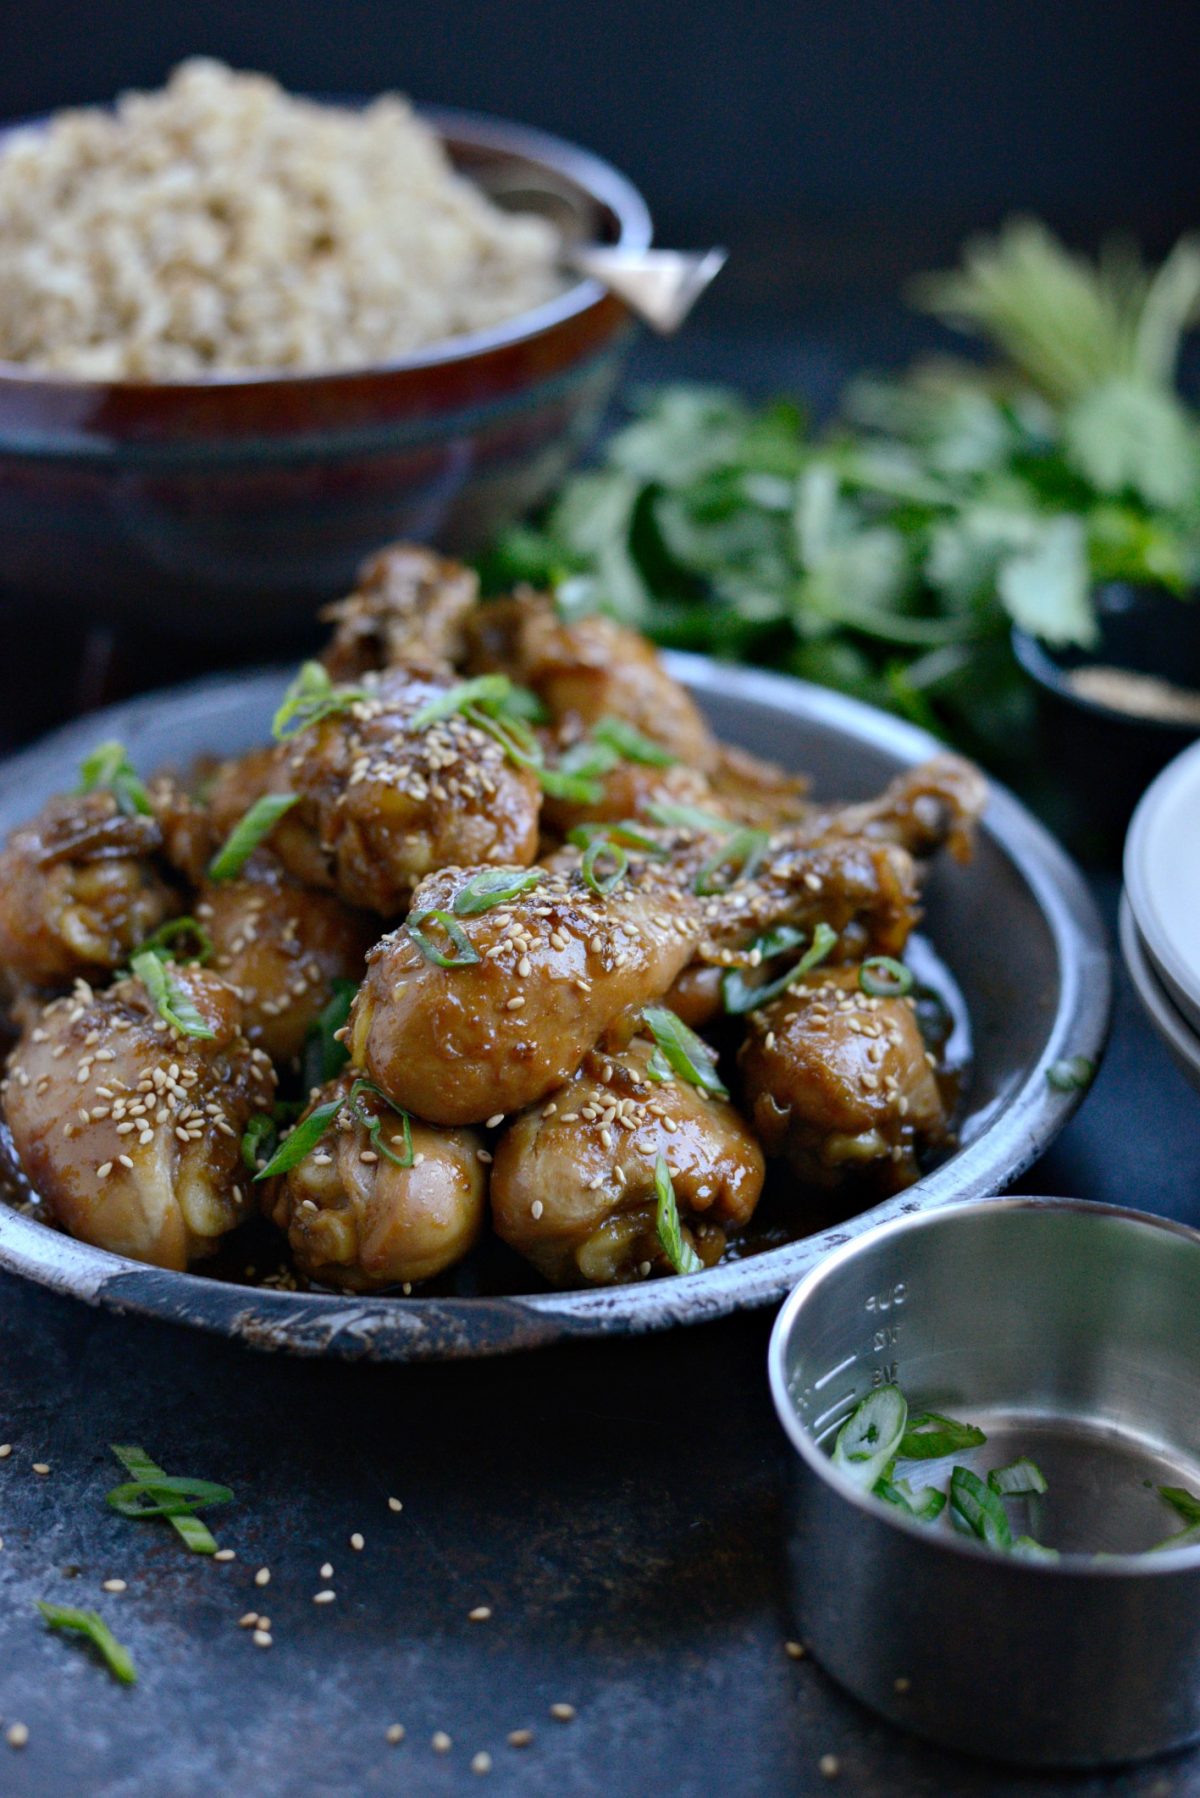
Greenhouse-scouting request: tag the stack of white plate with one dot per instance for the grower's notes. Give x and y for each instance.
(1160, 907)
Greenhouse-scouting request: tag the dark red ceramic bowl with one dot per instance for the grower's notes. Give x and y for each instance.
(227, 507)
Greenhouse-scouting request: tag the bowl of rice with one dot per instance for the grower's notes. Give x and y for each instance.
(245, 337)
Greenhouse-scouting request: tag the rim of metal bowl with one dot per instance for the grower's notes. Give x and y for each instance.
(600, 180)
(1121, 1566)
(436, 1327)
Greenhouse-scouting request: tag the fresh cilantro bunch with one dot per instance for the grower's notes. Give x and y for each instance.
(889, 555)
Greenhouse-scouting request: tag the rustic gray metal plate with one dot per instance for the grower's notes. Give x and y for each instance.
(1017, 929)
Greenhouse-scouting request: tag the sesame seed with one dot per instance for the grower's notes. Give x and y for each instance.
(325, 1596)
(794, 1650)
(263, 1577)
(394, 1504)
(440, 1742)
(357, 1543)
(828, 1766)
(481, 1762)
(327, 1571)
(564, 1713)
(261, 1638)
(495, 1121)
(536, 1209)
(225, 1554)
(249, 1621)
(394, 1733)
(520, 1738)
(480, 1614)
(42, 1467)
(17, 1734)
(514, 1004)
(5, 1450)
(114, 1585)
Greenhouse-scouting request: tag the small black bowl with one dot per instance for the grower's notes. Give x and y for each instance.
(1106, 756)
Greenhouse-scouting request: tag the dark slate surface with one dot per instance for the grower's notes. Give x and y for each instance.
(618, 1505)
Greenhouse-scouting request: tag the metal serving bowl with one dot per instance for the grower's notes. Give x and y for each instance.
(1070, 1333)
(1016, 928)
(228, 507)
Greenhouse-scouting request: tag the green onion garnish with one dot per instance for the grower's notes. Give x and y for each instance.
(1183, 1501)
(173, 1001)
(629, 834)
(261, 1130)
(493, 886)
(160, 1497)
(978, 1510)
(688, 1054)
(587, 757)
(604, 883)
(248, 833)
(925, 1505)
(870, 1437)
(929, 1436)
(374, 1125)
(178, 1509)
(1019, 1479)
(90, 1624)
(466, 955)
(325, 1055)
(739, 858)
(486, 689)
(1072, 1075)
(311, 697)
(678, 1251)
(626, 741)
(1188, 1538)
(740, 995)
(108, 766)
(301, 1140)
(689, 817)
(168, 935)
(882, 977)
(1033, 1551)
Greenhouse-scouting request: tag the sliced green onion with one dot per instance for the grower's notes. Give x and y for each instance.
(109, 767)
(167, 935)
(1073, 1075)
(740, 995)
(627, 833)
(1020, 1478)
(261, 1130)
(740, 855)
(870, 1436)
(90, 1624)
(588, 758)
(1189, 1538)
(688, 1054)
(924, 1506)
(177, 1510)
(574, 789)
(173, 1002)
(883, 977)
(493, 887)
(604, 883)
(1033, 1551)
(311, 697)
(626, 741)
(248, 833)
(302, 1140)
(978, 1510)
(1183, 1501)
(678, 1251)
(167, 1495)
(325, 1054)
(374, 1125)
(689, 817)
(485, 689)
(466, 955)
(929, 1436)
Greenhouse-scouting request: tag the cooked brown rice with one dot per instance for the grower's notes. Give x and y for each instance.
(221, 224)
